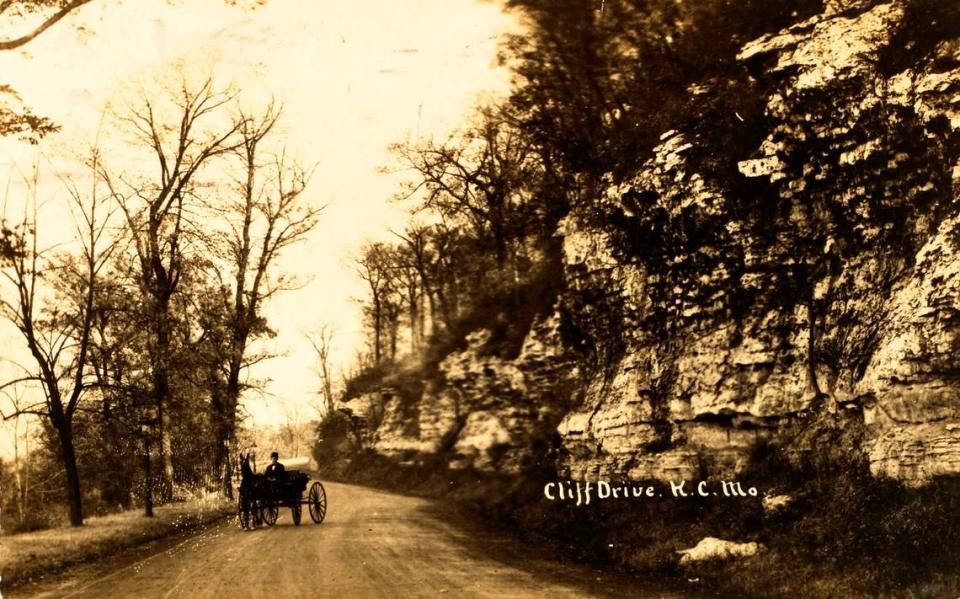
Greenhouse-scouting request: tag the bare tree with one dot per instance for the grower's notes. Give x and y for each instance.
(419, 257)
(21, 474)
(267, 213)
(408, 284)
(373, 266)
(52, 307)
(158, 212)
(429, 251)
(322, 341)
(392, 306)
(479, 180)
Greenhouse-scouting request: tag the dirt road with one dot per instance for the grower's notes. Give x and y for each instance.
(372, 544)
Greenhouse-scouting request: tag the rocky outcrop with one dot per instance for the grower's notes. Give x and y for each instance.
(484, 412)
(743, 282)
(912, 385)
(842, 137)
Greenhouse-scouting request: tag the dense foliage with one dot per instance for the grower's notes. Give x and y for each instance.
(593, 91)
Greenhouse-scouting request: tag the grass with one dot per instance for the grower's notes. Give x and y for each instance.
(28, 555)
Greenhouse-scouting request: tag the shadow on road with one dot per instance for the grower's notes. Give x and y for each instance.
(484, 540)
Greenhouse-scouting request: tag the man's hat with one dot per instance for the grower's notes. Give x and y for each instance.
(274, 454)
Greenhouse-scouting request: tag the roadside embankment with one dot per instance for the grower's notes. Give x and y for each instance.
(27, 556)
(820, 529)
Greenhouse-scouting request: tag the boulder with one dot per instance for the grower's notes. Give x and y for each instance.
(711, 548)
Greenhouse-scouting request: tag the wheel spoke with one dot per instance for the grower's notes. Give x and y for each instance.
(317, 502)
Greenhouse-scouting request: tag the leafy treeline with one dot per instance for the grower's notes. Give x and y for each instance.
(136, 335)
(595, 85)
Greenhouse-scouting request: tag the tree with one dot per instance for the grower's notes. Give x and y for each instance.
(478, 180)
(15, 117)
(443, 257)
(21, 449)
(54, 317)
(373, 266)
(121, 371)
(266, 214)
(322, 342)
(594, 89)
(420, 257)
(409, 283)
(158, 209)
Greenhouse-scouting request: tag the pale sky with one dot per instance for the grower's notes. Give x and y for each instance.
(353, 77)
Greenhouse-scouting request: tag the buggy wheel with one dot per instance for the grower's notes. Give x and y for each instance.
(318, 502)
(270, 513)
(296, 510)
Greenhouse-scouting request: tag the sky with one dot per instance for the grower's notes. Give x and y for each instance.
(353, 77)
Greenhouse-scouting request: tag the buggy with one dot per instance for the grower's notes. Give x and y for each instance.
(287, 491)
(261, 500)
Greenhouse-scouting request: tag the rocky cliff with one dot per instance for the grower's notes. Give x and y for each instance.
(786, 258)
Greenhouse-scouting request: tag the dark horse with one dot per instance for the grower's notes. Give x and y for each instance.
(253, 490)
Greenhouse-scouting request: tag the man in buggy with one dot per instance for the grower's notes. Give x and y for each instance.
(275, 471)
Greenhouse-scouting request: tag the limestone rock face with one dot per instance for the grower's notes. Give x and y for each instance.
(499, 413)
(911, 386)
(842, 130)
(836, 287)
(486, 413)
(830, 48)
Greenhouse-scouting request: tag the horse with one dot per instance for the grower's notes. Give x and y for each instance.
(253, 490)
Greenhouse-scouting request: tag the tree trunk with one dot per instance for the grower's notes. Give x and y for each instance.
(147, 478)
(454, 298)
(228, 438)
(377, 332)
(393, 339)
(221, 462)
(166, 448)
(228, 475)
(446, 315)
(218, 425)
(412, 308)
(74, 498)
(499, 238)
(432, 305)
(18, 471)
(224, 446)
(422, 324)
(161, 390)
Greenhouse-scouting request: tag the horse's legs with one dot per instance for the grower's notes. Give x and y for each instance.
(246, 511)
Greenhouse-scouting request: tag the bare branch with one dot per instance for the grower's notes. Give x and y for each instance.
(52, 20)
